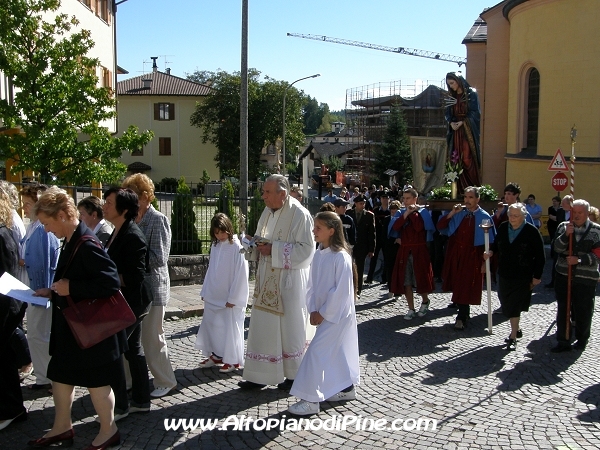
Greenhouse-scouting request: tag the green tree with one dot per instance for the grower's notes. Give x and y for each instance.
(313, 115)
(185, 239)
(204, 179)
(257, 205)
(333, 163)
(218, 116)
(225, 203)
(395, 151)
(58, 104)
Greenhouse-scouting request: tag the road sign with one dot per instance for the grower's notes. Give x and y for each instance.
(559, 163)
(559, 181)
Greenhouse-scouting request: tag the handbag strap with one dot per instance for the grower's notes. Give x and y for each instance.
(78, 244)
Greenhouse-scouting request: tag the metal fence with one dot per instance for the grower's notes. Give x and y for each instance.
(190, 214)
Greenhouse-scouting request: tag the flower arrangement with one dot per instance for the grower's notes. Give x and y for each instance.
(453, 167)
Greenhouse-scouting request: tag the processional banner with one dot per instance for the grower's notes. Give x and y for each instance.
(429, 162)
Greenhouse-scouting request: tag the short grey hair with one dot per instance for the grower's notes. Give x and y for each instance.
(582, 202)
(519, 207)
(473, 189)
(282, 182)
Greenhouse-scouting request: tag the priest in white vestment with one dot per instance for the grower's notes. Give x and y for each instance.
(279, 325)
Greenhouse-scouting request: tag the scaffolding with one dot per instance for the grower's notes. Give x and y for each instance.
(368, 109)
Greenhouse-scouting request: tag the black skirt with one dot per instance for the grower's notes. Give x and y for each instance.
(82, 375)
(515, 296)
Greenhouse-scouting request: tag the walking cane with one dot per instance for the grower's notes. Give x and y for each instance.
(486, 224)
(569, 266)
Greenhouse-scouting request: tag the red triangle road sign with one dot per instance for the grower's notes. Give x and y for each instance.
(559, 163)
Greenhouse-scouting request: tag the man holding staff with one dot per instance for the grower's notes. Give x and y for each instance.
(584, 275)
(464, 265)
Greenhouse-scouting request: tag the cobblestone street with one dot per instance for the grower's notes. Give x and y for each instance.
(480, 395)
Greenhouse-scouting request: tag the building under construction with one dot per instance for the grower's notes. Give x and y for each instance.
(368, 109)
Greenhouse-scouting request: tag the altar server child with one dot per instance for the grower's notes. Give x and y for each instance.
(225, 295)
(330, 366)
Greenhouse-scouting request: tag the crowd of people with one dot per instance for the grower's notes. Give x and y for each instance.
(309, 273)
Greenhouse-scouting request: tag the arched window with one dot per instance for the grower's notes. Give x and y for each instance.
(533, 109)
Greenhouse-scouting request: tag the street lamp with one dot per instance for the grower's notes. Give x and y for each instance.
(284, 95)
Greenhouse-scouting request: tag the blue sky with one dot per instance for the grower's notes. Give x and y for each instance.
(190, 35)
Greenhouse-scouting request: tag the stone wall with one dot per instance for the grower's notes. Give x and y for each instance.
(191, 269)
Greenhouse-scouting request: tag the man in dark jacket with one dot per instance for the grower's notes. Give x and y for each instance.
(341, 206)
(380, 212)
(365, 236)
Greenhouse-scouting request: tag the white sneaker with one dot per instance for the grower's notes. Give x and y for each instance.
(410, 315)
(161, 391)
(423, 309)
(343, 396)
(304, 408)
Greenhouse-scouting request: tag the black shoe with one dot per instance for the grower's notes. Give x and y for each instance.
(498, 310)
(368, 281)
(561, 348)
(579, 346)
(285, 385)
(511, 345)
(452, 305)
(519, 336)
(249, 385)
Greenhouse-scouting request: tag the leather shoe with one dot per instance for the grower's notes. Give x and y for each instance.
(519, 336)
(577, 346)
(285, 385)
(249, 385)
(561, 348)
(19, 418)
(115, 439)
(60, 440)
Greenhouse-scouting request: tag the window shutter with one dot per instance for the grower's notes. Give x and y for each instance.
(172, 111)
(157, 111)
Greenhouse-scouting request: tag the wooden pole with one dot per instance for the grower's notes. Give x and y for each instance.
(569, 266)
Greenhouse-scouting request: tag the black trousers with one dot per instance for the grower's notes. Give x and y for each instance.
(359, 259)
(373, 264)
(11, 397)
(390, 250)
(140, 383)
(582, 309)
(464, 312)
(19, 344)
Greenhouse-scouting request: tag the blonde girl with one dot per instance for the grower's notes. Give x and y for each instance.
(330, 369)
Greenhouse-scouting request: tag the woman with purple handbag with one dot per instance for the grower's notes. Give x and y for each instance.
(84, 271)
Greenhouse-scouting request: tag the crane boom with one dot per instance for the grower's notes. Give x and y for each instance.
(403, 50)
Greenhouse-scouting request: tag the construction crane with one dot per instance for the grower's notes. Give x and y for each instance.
(403, 50)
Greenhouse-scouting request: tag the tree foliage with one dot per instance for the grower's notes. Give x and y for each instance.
(257, 205)
(218, 116)
(395, 151)
(185, 239)
(57, 104)
(225, 203)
